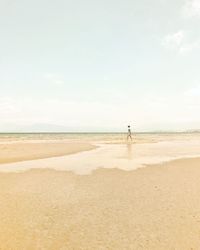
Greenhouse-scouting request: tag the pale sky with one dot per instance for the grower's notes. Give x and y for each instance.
(99, 65)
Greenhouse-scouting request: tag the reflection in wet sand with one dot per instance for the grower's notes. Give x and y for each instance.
(129, 150)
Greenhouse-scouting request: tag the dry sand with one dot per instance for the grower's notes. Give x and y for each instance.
(22, 151)
(153, 208)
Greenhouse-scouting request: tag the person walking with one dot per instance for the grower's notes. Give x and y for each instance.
(129, 134)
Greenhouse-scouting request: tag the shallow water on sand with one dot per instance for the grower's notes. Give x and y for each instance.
(129, 156)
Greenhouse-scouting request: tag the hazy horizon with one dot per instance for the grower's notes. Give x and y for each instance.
(81, 131)
(99, 65)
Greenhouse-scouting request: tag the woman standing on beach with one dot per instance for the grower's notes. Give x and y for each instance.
(129, 135)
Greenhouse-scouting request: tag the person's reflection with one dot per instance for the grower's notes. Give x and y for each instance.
(129, 150)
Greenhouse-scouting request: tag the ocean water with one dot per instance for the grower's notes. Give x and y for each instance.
(110, 138)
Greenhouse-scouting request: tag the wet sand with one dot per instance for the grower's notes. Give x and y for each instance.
(152, 208)
(23, 151)
(124, 156)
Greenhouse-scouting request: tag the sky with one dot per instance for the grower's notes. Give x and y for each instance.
(99, 65)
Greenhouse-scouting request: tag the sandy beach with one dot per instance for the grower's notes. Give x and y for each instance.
(150, 206)
(18, 151)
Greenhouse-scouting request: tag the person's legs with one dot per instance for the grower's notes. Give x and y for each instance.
(129, 136)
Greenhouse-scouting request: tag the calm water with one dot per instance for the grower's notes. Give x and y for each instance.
(98, 137)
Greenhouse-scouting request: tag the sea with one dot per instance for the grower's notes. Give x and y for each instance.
(110, 138)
